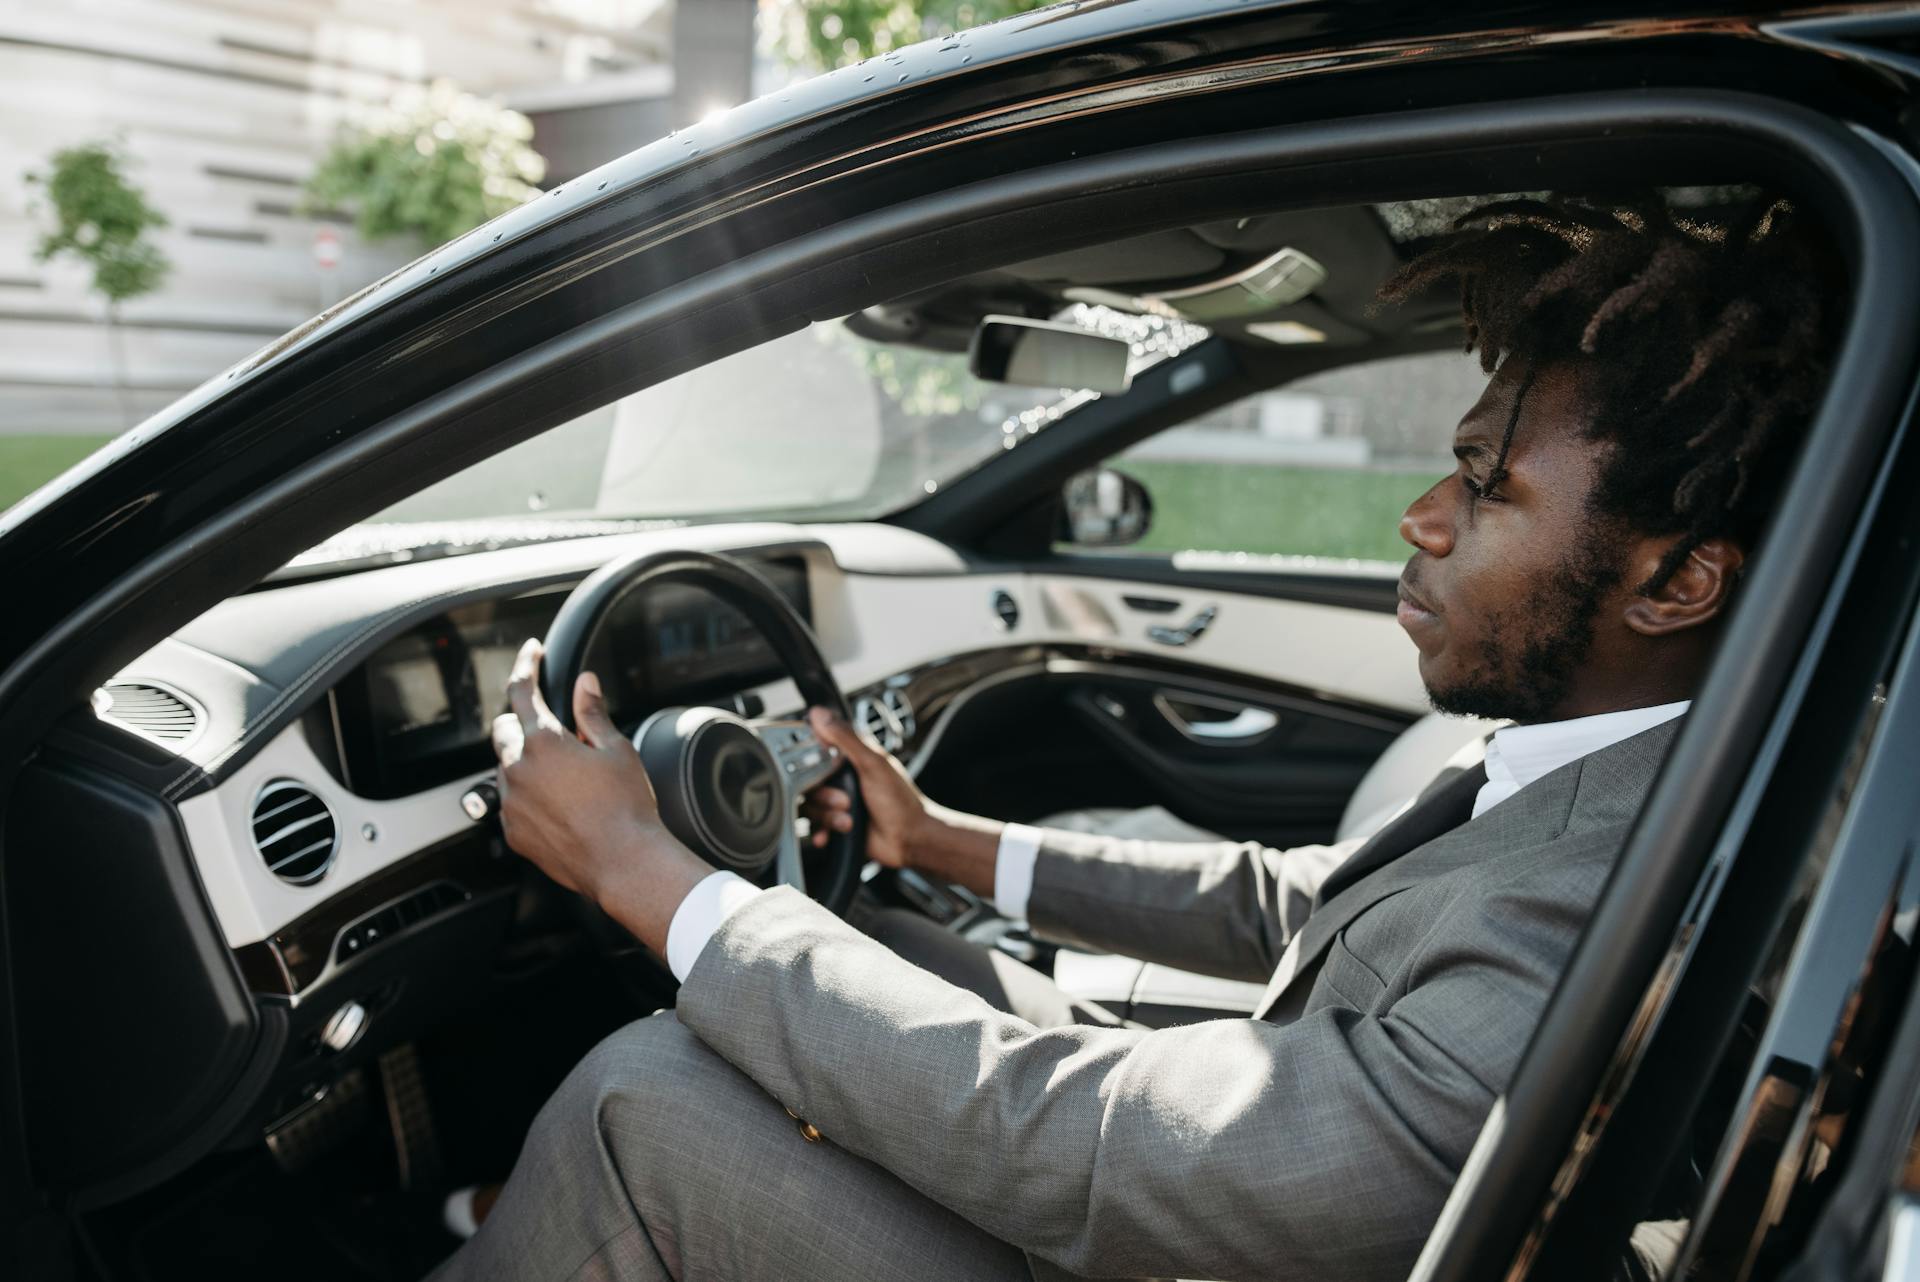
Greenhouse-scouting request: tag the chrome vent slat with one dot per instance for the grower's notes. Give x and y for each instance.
(888, 718)
(896, 702)
(261, 817)
(292, 828)
(295, 815)
(149, 710)
(321, 844)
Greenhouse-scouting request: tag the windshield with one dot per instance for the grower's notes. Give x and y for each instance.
(819, 425)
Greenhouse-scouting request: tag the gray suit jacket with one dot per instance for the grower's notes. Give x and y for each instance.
(1316, 1143)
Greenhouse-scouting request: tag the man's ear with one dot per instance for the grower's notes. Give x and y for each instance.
(1693, 594)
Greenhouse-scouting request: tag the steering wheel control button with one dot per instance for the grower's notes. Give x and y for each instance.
(344, 1027)
(480, 802)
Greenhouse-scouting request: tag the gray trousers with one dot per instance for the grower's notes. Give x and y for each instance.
(657, 1159)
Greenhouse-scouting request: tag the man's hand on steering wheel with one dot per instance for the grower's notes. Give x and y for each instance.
(582, 809)
(905, 828)
(898, 813)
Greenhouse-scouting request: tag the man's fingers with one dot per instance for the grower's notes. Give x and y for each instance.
(509, 737)
(836, 733)
(523, 688)
(590, 713)
(831, 798)
(826, 823)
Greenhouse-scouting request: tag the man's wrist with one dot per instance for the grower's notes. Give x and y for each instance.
(954, 846)
(652, 875)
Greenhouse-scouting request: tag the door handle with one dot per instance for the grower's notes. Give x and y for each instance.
(1187, 633)
(1247, 724)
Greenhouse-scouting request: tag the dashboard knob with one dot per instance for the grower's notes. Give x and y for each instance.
(343, 1027)
(481, 802)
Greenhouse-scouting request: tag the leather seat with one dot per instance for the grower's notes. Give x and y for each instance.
(1160, 995)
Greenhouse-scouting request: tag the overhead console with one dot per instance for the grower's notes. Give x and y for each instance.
(418, 712)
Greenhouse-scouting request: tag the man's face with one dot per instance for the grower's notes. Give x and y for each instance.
(1503, 593)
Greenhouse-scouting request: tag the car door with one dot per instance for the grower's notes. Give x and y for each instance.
(1237, 661)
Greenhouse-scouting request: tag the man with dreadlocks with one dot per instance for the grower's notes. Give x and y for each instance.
(962, 1118)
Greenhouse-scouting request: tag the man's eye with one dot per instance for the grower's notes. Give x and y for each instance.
(1480, 491)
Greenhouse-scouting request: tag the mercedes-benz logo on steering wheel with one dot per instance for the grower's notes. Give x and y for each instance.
(747, 788)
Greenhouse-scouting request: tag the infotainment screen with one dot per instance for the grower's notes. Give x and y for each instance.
(420, 710)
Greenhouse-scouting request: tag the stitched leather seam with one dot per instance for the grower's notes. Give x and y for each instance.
(322, 667)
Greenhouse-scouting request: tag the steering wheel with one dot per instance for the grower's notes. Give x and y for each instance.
(728, 787)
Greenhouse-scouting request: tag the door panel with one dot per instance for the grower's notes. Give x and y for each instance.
(1354, 654)
(1284, 777)
(1109, 731)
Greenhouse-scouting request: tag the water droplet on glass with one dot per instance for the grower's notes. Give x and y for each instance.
(602, 187)
(931, 486)
(536, 502)
(903, 76)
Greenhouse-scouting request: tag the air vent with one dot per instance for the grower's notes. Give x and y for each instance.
(895, 701)
(149, 710)
(294, 832)
(878, 720)
(1006, 608)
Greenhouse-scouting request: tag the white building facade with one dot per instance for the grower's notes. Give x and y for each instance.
(225, 106)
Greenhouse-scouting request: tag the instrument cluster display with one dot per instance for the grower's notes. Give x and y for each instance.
(419, 712)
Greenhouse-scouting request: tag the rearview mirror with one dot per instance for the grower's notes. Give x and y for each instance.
(1106, 508)
(1031, 353)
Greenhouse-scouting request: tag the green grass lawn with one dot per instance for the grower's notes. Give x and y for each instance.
(1300, 511)
(28, 462)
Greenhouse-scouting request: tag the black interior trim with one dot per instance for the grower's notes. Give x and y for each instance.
(112, 973)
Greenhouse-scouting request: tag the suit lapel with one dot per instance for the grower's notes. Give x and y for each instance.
(1433, 838)
(1436, 836)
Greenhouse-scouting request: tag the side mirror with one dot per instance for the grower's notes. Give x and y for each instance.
(1031, 353)
(1106, 508)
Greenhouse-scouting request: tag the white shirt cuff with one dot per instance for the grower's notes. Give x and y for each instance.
(701, 913)
(1013, 870)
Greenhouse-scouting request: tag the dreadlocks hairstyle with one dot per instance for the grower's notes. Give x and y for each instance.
(1701, 345)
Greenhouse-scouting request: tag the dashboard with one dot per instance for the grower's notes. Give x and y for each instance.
(417, 712)
(304, 754)
(373, 693)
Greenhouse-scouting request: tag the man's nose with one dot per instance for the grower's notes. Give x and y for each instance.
(1427, 524)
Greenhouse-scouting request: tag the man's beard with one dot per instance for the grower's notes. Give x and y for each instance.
(1533, 649)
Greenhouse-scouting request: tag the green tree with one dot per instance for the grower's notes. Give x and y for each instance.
(102, 220)
(434, 162)
(823, 34)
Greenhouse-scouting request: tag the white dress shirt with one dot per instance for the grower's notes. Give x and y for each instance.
(1516, 757)
(1520, 754)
